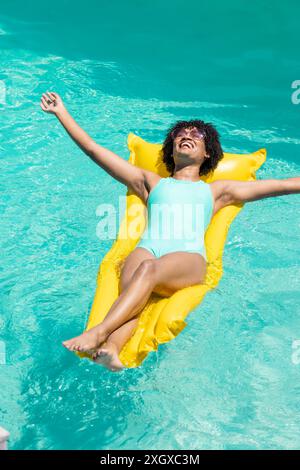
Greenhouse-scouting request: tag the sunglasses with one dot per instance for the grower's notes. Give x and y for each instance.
(194, 134)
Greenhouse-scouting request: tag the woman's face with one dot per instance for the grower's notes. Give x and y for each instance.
(189, 143)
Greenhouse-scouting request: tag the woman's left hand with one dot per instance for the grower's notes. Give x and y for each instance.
(51, 103)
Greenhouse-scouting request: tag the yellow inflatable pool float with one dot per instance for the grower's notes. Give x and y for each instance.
(163, 318)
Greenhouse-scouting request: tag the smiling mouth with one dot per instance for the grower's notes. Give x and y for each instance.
(187, 144)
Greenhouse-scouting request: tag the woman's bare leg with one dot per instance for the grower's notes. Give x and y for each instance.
(165, 275)
(88, 341)
(108, 354)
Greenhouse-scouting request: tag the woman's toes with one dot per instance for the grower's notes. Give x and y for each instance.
(102, 352)
(98, 353)
(95, 355)
(71, 345)
(108, 358)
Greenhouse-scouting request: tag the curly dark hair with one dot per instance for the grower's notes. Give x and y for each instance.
(211, 140)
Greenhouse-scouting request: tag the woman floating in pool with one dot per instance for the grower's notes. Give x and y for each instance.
(159, 265)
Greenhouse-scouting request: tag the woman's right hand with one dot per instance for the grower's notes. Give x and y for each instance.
(51, 103)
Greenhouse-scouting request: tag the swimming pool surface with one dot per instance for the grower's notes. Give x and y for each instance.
(228, 381)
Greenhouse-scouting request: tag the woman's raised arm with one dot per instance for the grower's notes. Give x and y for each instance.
(120, 169)
(228, 192)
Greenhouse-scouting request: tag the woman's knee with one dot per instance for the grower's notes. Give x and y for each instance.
(150, 271)
(146, 270)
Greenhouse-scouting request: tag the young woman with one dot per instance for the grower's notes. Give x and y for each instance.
(191, 149)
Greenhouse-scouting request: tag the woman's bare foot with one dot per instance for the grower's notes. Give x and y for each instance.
(89, 341)
(108, 357)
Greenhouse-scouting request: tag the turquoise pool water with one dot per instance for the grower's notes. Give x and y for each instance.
(229, 380)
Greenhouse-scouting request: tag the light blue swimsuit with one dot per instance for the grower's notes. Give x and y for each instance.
(178, 215)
